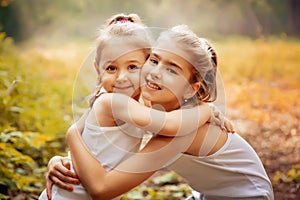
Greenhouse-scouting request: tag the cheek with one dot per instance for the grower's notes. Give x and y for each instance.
(135, 78)
(108, 80)
(146, 70)
(107, 77)
(177, 85)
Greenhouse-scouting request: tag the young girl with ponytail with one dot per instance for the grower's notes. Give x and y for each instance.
(215, 163)
(112, 132)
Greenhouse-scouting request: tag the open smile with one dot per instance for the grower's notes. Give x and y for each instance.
(152, 86)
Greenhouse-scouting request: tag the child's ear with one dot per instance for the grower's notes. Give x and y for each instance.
(192, 90)
(96, 67)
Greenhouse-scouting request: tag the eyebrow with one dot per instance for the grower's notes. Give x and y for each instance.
(168, 62)
(133, 61)
(107, 62)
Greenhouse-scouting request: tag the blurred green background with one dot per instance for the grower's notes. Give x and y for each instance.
(60, 20)
(43, 44)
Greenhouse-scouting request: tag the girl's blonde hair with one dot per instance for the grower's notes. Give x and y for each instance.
(203, 59)
(118, 26)
(121, 25)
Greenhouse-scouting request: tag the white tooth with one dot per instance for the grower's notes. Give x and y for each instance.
(153, 86)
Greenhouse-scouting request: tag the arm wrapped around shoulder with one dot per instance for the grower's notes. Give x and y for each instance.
(218, 118)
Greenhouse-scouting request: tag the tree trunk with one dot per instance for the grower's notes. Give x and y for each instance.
(293, 17)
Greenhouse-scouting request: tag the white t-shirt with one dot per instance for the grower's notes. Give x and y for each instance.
(110, 146)
(233, 172)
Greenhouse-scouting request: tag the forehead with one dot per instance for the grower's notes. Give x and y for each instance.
(118, 46)
(165, 43)
(169, 58)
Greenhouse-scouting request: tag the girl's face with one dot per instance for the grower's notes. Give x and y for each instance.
(120, 67)
(166, 76)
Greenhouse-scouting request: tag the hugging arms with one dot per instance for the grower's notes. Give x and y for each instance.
(160, 150)
(160, 74)
(171, 81)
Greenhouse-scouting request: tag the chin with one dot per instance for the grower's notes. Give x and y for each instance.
(146, 96)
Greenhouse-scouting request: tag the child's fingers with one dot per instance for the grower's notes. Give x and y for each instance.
(58, 183)
(49, 185)
(62, 173)
(229, 127)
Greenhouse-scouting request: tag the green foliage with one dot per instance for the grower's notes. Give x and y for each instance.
(248, 17)
(29, 99)
(35, 112)
(168, 186)
(23, 157)
(292, 175)
(168, 178)
(16, 167)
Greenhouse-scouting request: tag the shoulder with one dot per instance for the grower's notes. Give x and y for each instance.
(112, 99)
(103, 99)
(108, 100)
(102, 104)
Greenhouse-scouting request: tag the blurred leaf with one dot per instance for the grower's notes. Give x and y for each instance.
(168, 178)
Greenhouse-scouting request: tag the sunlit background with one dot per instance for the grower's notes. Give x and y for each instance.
(63, 20)
(44, 43)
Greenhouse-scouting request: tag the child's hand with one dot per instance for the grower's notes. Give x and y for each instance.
(59, 174)
(219, 119)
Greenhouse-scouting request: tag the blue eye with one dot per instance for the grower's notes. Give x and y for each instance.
(172, 71)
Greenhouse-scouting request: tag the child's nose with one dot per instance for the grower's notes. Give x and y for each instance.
(156, 72)
(122, 76)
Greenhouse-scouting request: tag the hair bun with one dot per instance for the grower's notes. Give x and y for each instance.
(122, 18)
(205, 44)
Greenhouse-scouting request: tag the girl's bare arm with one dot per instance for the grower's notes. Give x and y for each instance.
(130, 173)
(175, 123)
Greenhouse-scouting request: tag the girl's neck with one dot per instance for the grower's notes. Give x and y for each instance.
(161, 106)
